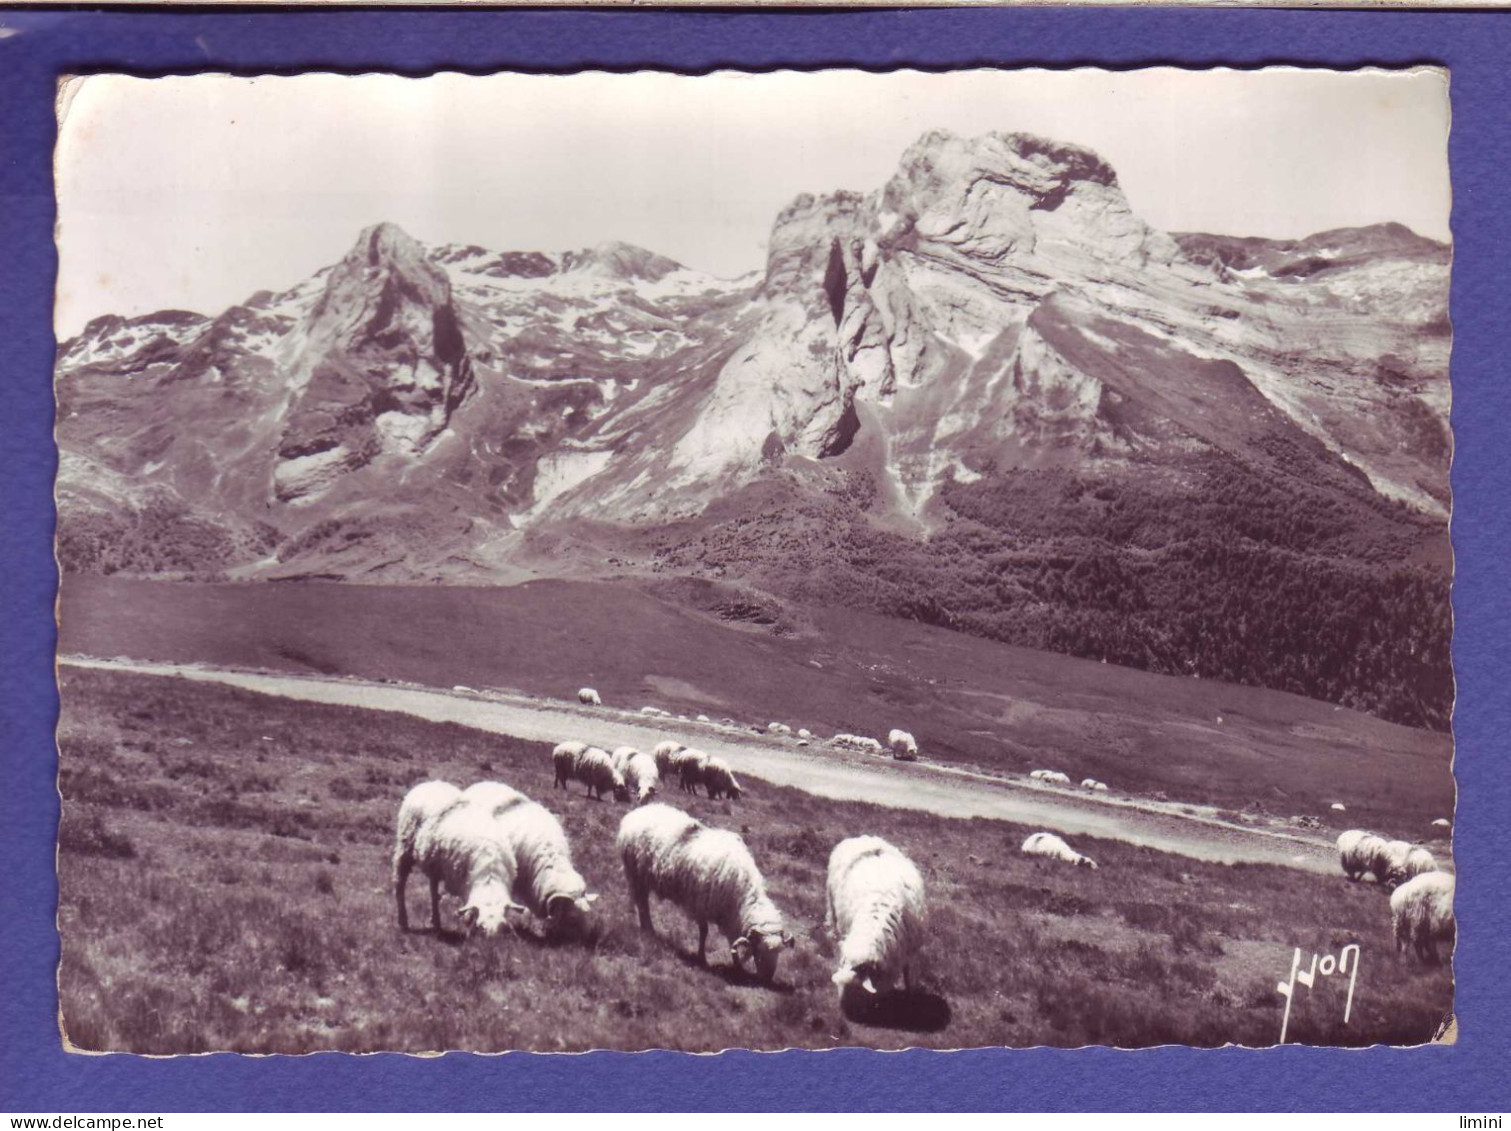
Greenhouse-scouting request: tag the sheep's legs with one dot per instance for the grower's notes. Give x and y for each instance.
(703, 943)
(400, 879)
(435, 904)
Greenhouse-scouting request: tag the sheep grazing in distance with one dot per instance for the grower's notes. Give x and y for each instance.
(804, 733)
(589, 697)
(1048, 844)
(1442, 823)
(709, 874)
(1389, 861)
(778, 728)
(664, 753)
(1418, 861)
(655, 713)
(875, 908)
(564, 758)
(642, 777)
(719, 780)
(904, 746)
(689, 765)
(545, 882)
(1093, 784)
(1338, 807)
(702, 719)
(455, 844)
(1357, 851)
(1421, 913)
(621, 756)
(868, 745)
(1054, 777)
(595, 769)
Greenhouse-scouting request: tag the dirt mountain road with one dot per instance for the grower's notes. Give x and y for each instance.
(819, 770)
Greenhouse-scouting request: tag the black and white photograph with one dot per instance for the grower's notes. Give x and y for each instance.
(754, 561)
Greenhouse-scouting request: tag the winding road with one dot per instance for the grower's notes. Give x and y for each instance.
(820, 770)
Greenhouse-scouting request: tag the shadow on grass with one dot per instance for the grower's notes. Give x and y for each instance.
(917, 1011)
(731, 974)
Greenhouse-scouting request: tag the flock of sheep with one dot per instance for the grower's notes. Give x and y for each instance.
(1421, 896)
(500, 853)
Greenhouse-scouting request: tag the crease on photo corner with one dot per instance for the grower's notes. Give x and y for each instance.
(1447, 1032)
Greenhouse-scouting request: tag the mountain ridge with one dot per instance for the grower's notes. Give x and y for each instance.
(906, 365)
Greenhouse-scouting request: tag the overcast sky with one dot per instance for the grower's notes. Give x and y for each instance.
(195, 192)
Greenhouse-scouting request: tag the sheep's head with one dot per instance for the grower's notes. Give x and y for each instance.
(488, 916)
(647, 792)
(734, 792)
(765, 945)
(621, 791)
(1086, 862)
(568, 914)
(867, 975)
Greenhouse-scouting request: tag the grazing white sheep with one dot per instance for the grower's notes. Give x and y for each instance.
(664, 753)
(842, 739)
(1417, 862)
(804, 733)
(1054, 776)
(564, 759)
(719, 780)
(421, 805)
(689, 765)
(590, 697)
(1421, 913)
(1389, 861)
(545, 882)
(1338, 806)
(642, 777)
(595, 769)
(1088, 783)
(869, 745)
(621, 757)
(875, 908)
(702, 719)
(1357, 852)
(708, 873)
(455, 844)
(1442, 823)
(1048, 844)
(778, 728)
(655, 713)
(904, 746)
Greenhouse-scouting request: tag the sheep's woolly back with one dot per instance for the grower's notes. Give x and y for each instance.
(494, 796)
(1048, 844)
(421, 805)
(463, 849)
(1358, 851)
(542, 857)
(1421, 909)
(641, 776)
(596, 768)
(719, 778)
(709, 873)
(875, 906)
(621, 757)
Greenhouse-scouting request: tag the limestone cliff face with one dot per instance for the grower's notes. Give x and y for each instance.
(995, 305)
(379, 364)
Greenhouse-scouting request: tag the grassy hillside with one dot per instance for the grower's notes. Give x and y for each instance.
(725, 651)
(224, 885)
(1210, 569)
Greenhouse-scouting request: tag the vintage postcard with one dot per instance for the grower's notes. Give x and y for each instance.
(798, 560)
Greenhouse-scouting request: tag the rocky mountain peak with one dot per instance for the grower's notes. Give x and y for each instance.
(616, 259)
(379, 364)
